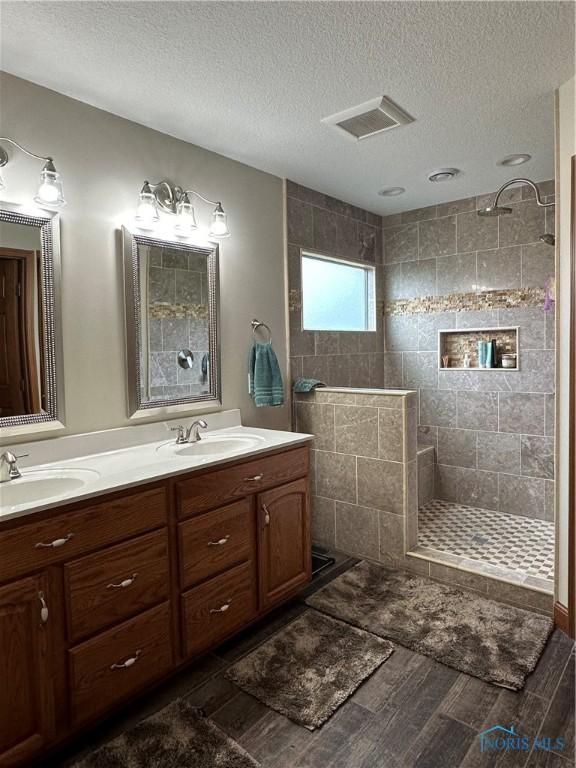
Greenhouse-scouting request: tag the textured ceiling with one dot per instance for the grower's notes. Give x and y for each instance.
(252, 80)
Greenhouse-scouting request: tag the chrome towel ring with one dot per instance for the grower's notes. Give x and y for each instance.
(257, 324)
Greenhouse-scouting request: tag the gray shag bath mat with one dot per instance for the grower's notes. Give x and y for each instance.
(308, 669)
(175, 737)
(481, 637)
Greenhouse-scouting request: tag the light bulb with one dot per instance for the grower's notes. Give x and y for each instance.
(147, 210)
(219, 223)
(185, 218)
(2, 183)
(50, 189)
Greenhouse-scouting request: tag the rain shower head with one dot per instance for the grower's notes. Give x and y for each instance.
(499, 210)
(494, 210)
(548, 239)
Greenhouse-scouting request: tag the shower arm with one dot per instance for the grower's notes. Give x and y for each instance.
(521, 181)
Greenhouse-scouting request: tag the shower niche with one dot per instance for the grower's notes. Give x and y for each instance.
(454, 345)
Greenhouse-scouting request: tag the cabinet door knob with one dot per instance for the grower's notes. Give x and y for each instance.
(128, 663)
(44, 613)
(223, 608)
(266, 514)
(219, 542)
(254, 479)
(123, 584)
(56, 543)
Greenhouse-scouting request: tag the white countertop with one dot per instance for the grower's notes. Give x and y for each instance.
(135, 455)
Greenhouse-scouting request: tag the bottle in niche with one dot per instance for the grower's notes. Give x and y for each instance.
(480, 346)
(466, 360)
(489, 361)
(494, 354)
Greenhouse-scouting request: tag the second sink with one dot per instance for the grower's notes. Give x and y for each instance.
(214, 445)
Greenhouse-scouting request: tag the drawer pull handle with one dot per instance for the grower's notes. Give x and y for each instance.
(254, 479)
(219, 542)
(43, 608)
(123, 584)
(223, 608)
(56, 543)
(128, 663)
(266, 514)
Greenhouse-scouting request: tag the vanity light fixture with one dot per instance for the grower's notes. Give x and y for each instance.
(50, 189)
(147, 210)
(176, 202)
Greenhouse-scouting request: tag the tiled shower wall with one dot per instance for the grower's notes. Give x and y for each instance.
(448, 268)
(325, 225)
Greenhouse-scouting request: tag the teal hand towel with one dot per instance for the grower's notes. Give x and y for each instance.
(264, 378)
(306, 385)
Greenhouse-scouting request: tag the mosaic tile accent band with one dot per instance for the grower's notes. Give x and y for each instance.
(464, 302)
(164, 311)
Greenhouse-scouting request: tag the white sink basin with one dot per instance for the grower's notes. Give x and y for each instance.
(41, 484)
(214, 445)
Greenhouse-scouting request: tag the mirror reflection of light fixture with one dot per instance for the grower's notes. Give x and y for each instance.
(50, 191)
(176, 201)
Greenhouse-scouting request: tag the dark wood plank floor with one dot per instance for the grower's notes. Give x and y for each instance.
(411, 713)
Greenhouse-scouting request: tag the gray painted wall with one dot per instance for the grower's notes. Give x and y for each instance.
(103, 160)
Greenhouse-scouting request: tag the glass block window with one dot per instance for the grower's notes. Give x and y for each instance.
(337, 295)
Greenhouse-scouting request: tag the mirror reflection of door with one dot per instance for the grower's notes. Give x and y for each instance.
(20, 321)
(19, 370)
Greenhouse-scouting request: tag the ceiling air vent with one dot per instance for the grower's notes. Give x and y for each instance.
(368, 119)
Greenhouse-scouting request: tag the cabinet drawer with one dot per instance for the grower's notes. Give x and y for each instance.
(214, 489)
(215, 609)
(115, 583)
(115, 664)
(215, 541)
(32, 546)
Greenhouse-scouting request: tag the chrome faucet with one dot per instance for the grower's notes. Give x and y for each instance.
(190, 435)
(8, 467)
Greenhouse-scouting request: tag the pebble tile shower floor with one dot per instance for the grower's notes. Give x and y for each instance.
(515, 543)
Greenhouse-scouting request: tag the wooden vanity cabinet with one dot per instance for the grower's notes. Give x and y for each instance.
(27, 693)
(284, 544)
(103, 599)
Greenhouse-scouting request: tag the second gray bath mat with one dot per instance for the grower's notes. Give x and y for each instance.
(309, 668)
(481, 637)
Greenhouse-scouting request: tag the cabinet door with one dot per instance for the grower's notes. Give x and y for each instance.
(26, 699)
(284, 556)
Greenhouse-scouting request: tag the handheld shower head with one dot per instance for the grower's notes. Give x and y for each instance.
(494, 210)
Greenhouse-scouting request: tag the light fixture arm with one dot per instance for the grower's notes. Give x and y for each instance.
(4, 156)
(205, 199)
(521, 181)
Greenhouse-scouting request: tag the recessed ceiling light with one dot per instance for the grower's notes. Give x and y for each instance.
(443, 174)
(514, 159)
(392, 191)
